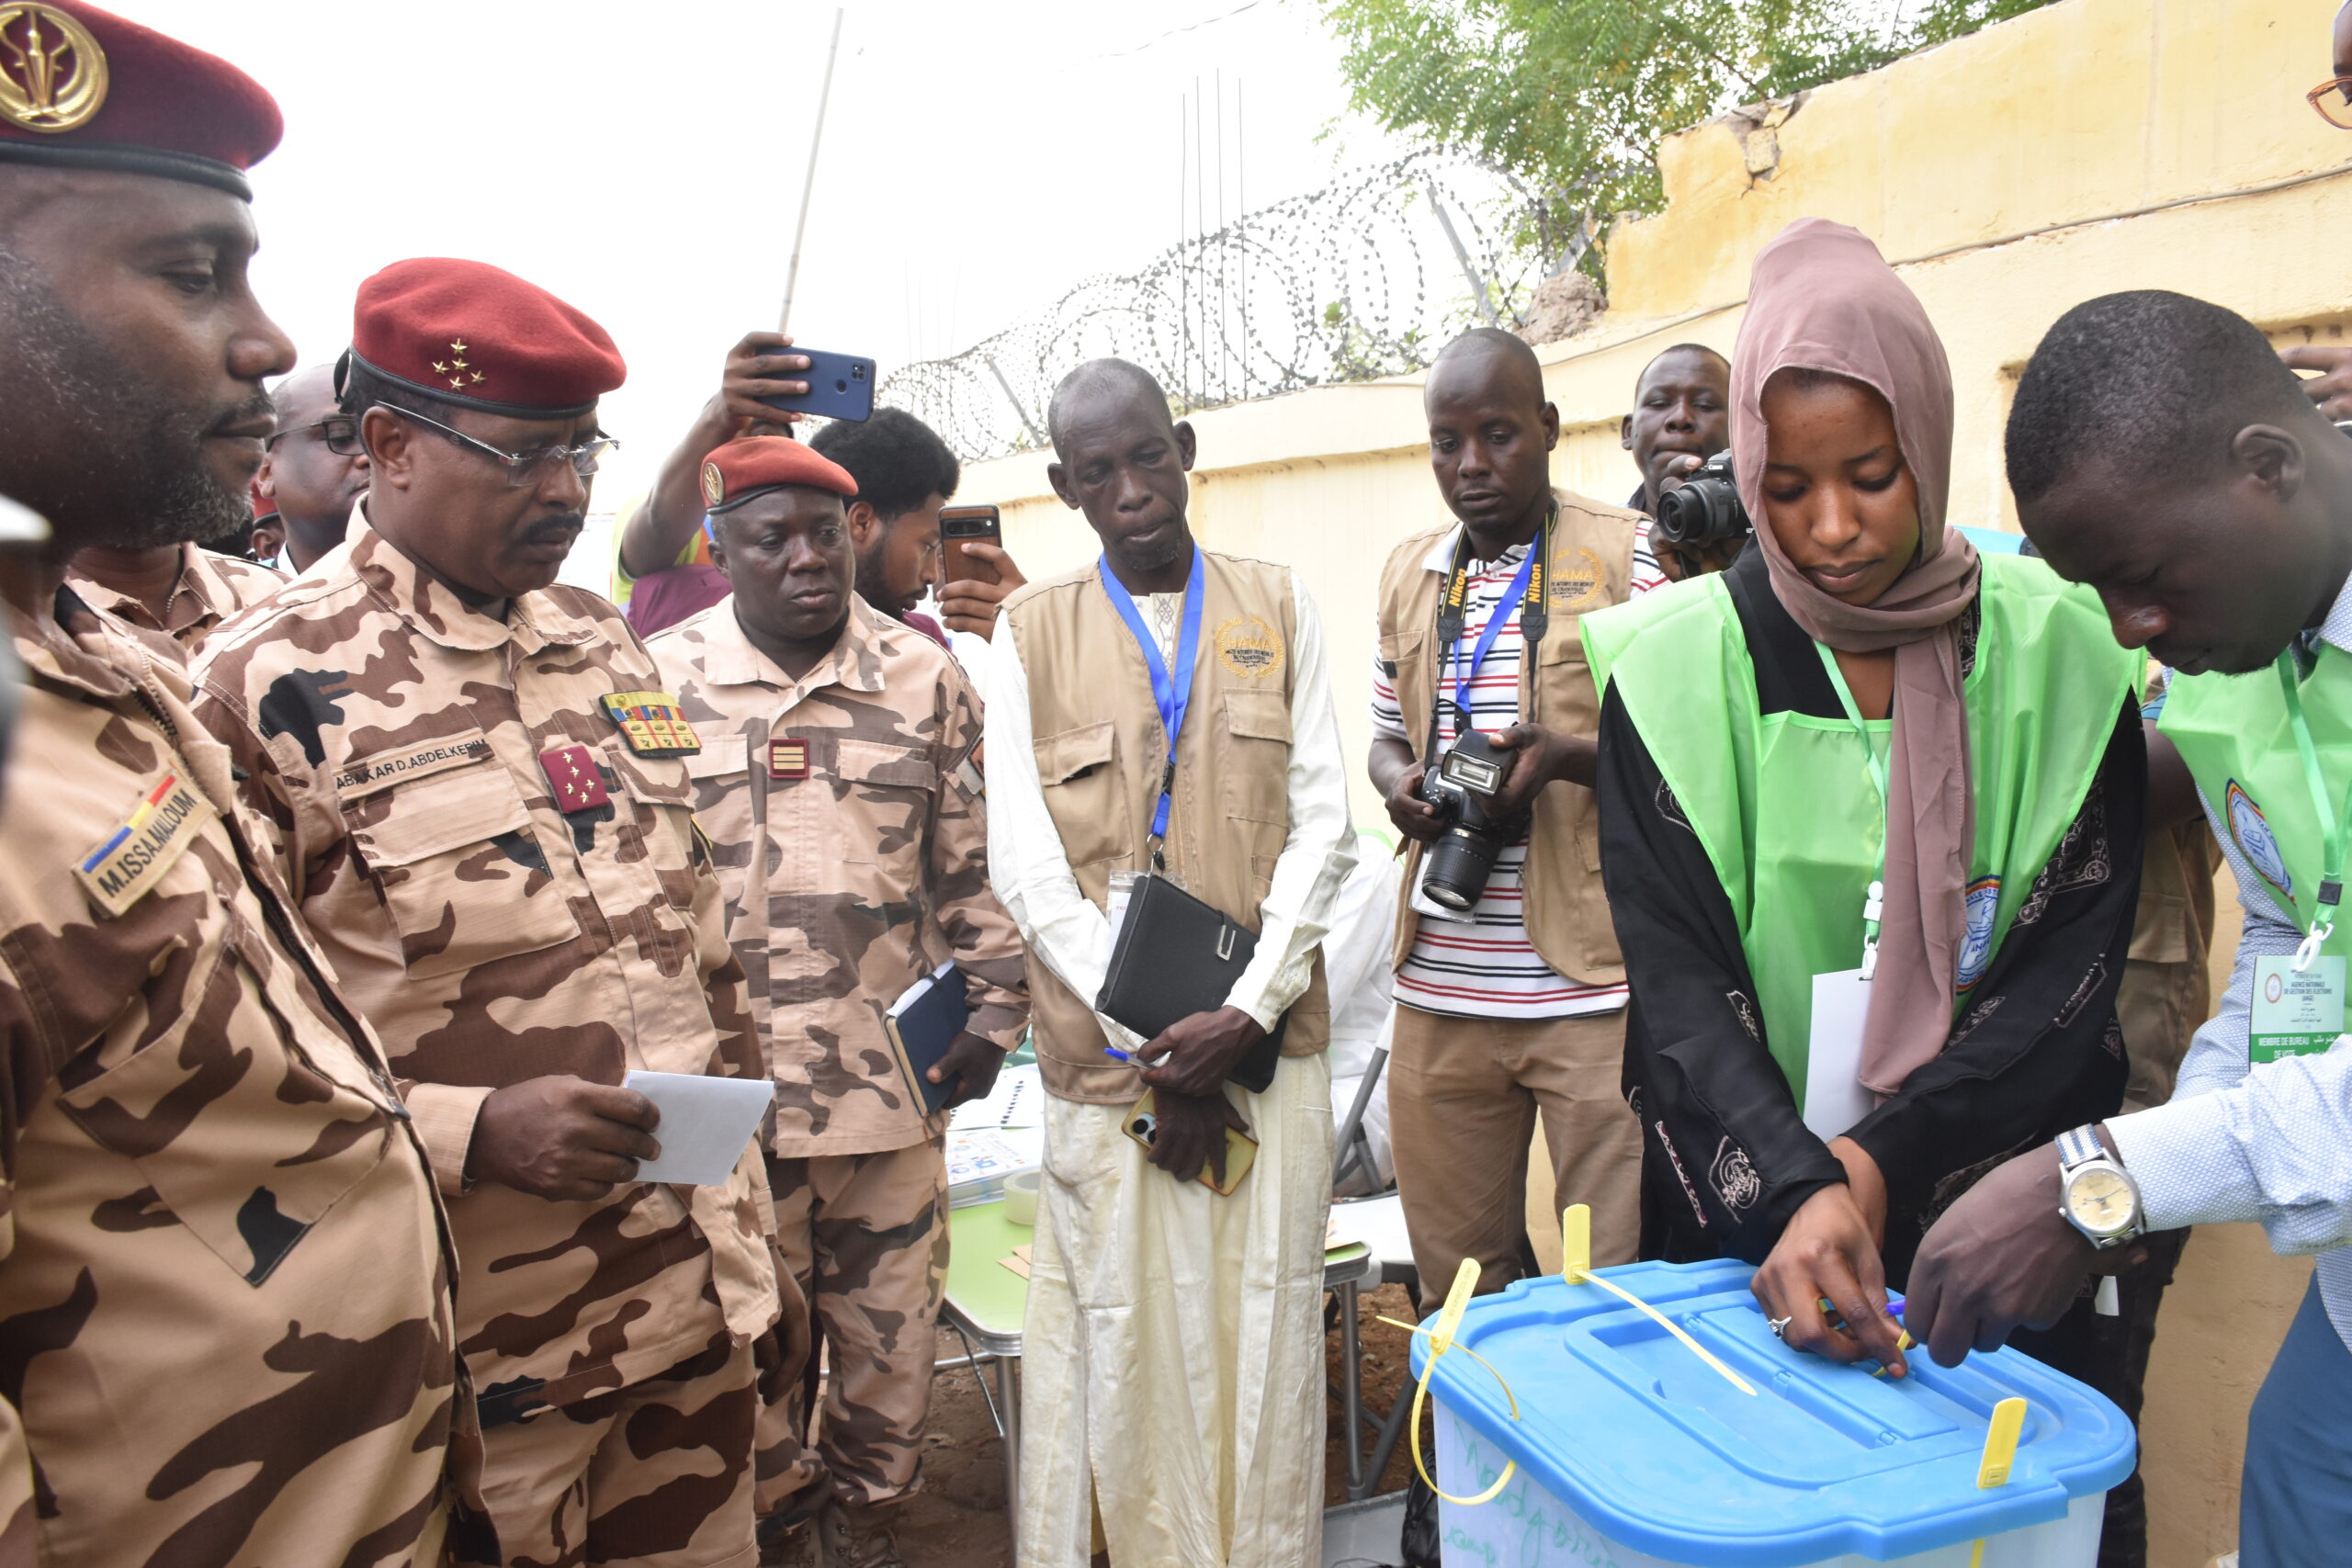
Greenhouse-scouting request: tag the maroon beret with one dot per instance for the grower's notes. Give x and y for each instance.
(81, 88)
(755, 464)
(470, 334)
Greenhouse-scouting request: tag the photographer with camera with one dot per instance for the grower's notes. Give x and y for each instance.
(1512, 988)
(1871, 811)
(1679, 431)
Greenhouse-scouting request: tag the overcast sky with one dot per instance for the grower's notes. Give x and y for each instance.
(644, 161)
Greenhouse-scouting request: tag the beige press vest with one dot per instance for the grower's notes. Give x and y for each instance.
(1592, 569)
(1101, 751)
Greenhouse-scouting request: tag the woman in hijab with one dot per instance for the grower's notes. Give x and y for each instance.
(1871, 815)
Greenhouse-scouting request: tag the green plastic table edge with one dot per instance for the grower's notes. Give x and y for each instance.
(993, 1299)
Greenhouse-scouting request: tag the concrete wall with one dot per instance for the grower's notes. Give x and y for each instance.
(2091, 146)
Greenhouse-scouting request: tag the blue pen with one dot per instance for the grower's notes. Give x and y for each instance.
(1115, 1051)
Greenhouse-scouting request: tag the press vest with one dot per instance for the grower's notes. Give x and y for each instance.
(2234, 733)
(1591, 568)
(1101, 752)
(1783, 803)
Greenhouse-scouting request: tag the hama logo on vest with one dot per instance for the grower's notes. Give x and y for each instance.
(1579, 582)
(1249, 647)
(2251, 828)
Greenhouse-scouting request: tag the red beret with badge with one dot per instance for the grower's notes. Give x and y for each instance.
(478, 336)
(82, 88)
(756, 464)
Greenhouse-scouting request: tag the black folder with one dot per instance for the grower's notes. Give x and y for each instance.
(1177, 957)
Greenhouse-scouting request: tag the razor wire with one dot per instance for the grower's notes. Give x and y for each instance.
(1368, 277)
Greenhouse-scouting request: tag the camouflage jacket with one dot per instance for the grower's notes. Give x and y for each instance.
(225, 1309)
(211, 588)
(408, 750)
(860, 782)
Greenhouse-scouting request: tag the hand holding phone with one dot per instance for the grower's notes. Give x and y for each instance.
(759, 367)
(1193, 1138)
(836, 386)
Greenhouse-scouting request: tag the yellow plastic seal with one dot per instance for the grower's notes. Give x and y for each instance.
(1449, 1319)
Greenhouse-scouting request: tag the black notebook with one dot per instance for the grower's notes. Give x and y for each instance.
(923, 1024)
(1176, 956)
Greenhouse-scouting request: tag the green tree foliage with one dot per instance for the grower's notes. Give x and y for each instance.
(1572, 97)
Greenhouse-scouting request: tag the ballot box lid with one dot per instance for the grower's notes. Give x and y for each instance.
(1623, 1424)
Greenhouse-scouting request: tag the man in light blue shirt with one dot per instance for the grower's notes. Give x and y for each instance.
(2160, 453)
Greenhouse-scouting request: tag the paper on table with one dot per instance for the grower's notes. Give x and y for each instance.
(1834, 1096)
(1018, 1100)
(706, 1123)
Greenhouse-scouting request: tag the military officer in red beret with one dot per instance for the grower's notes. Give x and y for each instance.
(483, 797)
(840, 784)
(225, 1315)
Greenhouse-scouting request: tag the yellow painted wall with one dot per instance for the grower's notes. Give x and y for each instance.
(2091, 146)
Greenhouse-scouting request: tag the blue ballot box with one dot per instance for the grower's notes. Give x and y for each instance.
(1632, 1451)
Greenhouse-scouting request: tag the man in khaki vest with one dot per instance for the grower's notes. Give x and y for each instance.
(1512, 1005)
(1173, 1334)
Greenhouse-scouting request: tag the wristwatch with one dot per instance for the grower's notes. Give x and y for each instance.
(2096, 1194)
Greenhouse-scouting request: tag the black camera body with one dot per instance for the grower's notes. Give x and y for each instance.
(1705, 512)
(1462, 786)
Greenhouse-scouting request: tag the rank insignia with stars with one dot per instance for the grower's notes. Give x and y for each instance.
(572, 775)
(652, 724)
(454, 367)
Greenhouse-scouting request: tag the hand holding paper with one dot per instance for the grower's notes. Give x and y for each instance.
(706, 1122)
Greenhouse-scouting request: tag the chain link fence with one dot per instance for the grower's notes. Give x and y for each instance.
(1369, 276)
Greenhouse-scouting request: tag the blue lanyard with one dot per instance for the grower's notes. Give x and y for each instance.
(1172, 691)
(1503, 612)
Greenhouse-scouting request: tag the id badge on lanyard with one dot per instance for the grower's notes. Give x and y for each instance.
(1835, 1098)
(2297, 1003)
(1171, 689)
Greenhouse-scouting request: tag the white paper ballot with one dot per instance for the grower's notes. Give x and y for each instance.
(1834, 1096)
(705, 1124)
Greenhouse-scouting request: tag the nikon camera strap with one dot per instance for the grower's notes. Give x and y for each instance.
(1531, 600)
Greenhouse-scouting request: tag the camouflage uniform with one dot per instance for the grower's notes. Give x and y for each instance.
(211, 588)
(408, 750)
(845, 814)
(225, 1315)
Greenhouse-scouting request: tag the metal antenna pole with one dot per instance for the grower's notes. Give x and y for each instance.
(809, 185)
(1478, 284)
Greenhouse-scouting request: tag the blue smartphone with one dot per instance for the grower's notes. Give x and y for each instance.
(841, 385)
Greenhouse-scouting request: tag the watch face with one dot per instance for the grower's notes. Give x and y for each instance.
(2100, 1201)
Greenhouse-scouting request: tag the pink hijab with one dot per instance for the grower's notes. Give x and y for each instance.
(1822, 298)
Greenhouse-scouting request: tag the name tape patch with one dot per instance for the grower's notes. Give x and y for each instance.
(375, 773)
(132, 859)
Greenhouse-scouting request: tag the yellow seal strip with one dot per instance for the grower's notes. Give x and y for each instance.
(1465, 1283)
(1576, 1259)
(2000, 1452)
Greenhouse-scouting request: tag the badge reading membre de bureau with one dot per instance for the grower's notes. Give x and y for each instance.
(134, 858)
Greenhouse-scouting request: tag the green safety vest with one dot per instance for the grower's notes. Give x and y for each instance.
(2234, 733)
(1783, 802)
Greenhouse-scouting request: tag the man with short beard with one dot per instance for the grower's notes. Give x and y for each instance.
(487, 817)
(314, 470)
(225, 1282)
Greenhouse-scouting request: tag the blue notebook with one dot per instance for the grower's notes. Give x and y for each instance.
(922, 1025)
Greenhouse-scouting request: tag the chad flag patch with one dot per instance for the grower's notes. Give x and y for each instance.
(134, 858)
(652, 724)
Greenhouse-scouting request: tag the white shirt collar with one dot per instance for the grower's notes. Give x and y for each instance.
(2337, 628)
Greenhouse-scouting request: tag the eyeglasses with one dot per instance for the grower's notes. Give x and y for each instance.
(339, 431)
(2339, 113)
(521, 467)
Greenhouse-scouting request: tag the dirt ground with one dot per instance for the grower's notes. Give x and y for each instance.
(958, 1518)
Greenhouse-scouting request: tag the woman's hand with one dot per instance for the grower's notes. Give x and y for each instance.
(1830, 1253)
(1866, 1184)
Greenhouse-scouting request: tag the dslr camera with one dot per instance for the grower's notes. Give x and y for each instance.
(1705, 510)
(1462, 786)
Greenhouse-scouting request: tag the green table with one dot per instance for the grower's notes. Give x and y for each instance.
(985, 1302)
